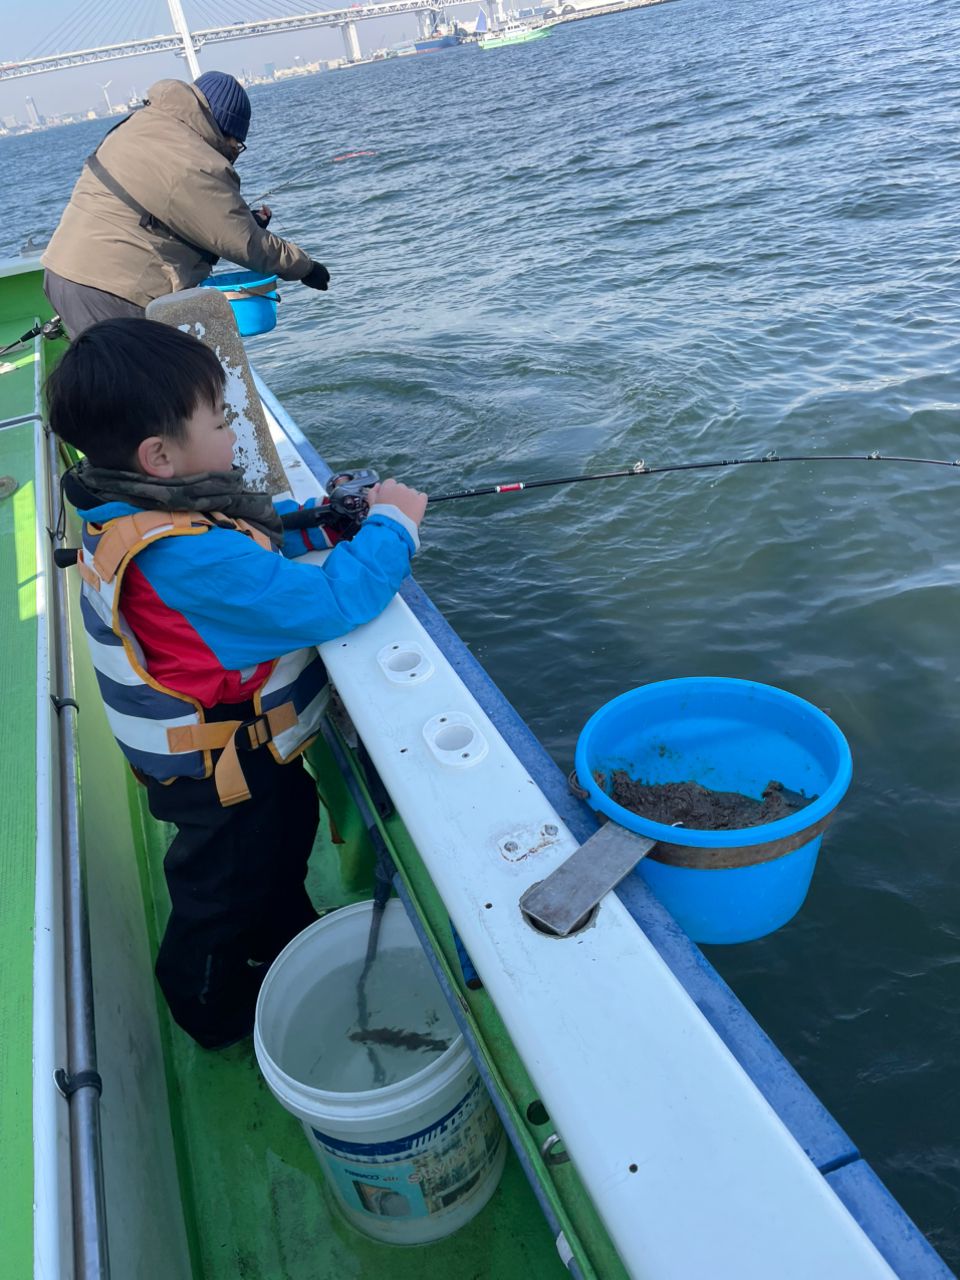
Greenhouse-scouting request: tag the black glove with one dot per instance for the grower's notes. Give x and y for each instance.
(318, 277)
(261, 218)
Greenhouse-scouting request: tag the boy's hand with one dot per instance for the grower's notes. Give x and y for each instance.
(410, 501)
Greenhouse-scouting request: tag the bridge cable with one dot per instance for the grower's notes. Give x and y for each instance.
(207, 15)
(64, 38)
(114, 19)
(285, 9)
(107, 15)
(103, 29)
(89, 30)
(148, 23)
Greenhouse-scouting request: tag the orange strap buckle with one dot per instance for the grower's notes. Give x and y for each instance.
(229, 737)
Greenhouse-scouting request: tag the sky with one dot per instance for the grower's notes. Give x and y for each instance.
(67, 92)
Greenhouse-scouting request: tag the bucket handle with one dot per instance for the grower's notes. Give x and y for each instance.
(744, 855)
(236, 294)
(564, 902)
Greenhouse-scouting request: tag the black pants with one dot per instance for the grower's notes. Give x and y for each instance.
(80, 305)
(236, 882)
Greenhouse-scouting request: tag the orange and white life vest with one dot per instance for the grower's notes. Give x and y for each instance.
(164, 733)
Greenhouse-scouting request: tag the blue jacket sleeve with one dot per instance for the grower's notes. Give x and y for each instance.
(298, 541)
(249, 605)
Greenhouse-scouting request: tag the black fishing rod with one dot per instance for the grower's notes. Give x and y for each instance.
(348, 502)
(346, 506)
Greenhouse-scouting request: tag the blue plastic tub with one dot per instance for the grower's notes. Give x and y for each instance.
(252, 295)
(729, 735)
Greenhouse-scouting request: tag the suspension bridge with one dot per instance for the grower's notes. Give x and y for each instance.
(188, 43)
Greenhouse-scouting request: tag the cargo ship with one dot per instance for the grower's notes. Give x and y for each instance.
(439, 40)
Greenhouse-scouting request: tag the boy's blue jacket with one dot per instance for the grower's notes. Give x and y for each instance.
(210, 609)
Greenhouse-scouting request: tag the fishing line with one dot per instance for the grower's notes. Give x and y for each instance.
(292, 182)
(641, 469)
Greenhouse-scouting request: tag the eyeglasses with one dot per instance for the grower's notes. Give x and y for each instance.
(240, 146)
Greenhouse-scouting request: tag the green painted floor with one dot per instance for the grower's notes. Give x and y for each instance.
(18, 682)
(19, 599)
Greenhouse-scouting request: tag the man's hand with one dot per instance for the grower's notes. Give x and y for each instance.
(410, 501)
(318, 277)
(262, 216)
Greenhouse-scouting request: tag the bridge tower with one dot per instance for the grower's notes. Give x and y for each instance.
(351, 41)
(183, 31)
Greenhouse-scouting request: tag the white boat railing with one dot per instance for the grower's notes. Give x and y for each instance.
(653, 1108)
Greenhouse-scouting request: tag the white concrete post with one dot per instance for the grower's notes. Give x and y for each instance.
(207, 315)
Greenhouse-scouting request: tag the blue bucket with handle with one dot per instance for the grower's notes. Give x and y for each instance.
(728, 735)
(253, 297)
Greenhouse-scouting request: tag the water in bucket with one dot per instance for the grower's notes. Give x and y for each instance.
(408, 1026)
(391, 1103)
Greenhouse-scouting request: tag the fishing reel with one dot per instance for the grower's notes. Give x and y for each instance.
(345, 511)
(50, 329)
(346, 508)
(348, 498)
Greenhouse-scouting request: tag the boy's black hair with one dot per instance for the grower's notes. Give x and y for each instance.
(126, 379)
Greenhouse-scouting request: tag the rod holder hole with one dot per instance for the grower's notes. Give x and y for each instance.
(455, 740)
(404, 661)
(537, 1113)
(581, 924)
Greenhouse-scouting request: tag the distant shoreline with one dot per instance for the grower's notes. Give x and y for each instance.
(595, 11)
(600, 11)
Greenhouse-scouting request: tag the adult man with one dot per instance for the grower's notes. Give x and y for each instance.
(158, 203)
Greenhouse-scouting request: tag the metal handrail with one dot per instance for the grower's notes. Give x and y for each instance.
(79, 1081)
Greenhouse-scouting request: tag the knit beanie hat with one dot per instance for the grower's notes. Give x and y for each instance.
(228, 102)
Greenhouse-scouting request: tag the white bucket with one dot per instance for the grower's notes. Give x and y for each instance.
(412, 1159)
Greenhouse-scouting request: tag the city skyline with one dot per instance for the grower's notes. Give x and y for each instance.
(73, 92)
(101, 105)
(33, 117)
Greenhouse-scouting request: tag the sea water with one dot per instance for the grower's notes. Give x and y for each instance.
(407, 1016)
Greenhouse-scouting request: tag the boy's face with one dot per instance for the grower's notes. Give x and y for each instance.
(208, 445)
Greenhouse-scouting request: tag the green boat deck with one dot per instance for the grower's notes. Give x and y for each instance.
(19, 588)
(252, 1197)
(17, 839)
(257, 1202)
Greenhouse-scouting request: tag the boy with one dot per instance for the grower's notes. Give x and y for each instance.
(203, 637)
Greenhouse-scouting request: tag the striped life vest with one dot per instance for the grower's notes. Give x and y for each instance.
(164, 733)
